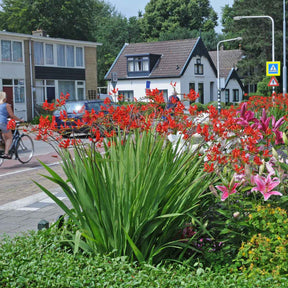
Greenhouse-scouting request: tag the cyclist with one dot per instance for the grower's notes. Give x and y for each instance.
(5, 112)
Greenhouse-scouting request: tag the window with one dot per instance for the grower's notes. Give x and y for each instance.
(79, 57)
(49, 54)
(227, 96)
(38, 53)
(191, 87)
(201, 92)
(165, 94)
(17, 51)
(235, 95)
(80, 90)
(128, 95)
(11, 51)
(198, 67)
(45, 90)
(70, 56)
(67, 87)
(60, 55)
(19, 94)
(138, 64)
(211, 91)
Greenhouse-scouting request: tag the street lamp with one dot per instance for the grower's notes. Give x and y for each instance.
(273, 45)
(284, 51)
(218, 69)
(262, 16)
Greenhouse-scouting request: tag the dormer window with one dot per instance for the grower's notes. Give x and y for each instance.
(138, 64)
(141, 64)
(198, 67)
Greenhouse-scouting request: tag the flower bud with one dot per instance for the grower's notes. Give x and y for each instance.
(236, 214)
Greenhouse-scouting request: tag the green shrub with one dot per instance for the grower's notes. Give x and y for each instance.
(266, 251)
(39, 260)
(35, 120)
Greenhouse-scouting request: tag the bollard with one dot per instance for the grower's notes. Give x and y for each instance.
(43, 224)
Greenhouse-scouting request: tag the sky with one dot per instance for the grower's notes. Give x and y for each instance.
(130, 8)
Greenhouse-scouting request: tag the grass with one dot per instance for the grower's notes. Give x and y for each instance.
(39, 259)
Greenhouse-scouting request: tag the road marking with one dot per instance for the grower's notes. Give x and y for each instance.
(33, 202)
(29, 169)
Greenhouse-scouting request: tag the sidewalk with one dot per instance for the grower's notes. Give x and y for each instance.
(24, 214)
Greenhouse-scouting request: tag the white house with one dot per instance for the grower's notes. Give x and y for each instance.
(187, 62)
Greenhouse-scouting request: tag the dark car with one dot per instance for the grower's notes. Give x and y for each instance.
(76, 110)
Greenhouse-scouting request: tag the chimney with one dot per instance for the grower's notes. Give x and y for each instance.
(39, 33)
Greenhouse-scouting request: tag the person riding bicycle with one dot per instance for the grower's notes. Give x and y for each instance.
(5, 112)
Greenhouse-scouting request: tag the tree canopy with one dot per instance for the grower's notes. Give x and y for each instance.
(168, 16)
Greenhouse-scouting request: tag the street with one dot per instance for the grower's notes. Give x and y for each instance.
(17, 178)
(22, 203)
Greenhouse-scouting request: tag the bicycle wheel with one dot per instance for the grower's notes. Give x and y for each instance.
(24, 148)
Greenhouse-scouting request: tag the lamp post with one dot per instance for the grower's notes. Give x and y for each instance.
(273, 42)
(262, 16)
(218, 70)
(284, 51)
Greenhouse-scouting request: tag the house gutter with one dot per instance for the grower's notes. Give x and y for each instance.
(31, 76)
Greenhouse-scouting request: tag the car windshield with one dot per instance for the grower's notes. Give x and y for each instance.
(77, 107)
(96, 106)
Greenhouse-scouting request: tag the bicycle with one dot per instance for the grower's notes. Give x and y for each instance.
(22, 147)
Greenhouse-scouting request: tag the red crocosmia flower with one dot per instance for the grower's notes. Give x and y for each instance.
(257, 160)
(227, 190)
(107, 101)
(11, 125)
(266, 185)
(208, 168)
(114, 91)
(64, 144)
(192, 95)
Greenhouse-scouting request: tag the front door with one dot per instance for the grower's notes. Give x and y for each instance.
(20, 109)
(9, 95)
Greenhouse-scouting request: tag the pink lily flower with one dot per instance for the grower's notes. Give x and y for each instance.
(264, 122)
(275, 128)
(266, 185)
(246, 116)
(227, 190)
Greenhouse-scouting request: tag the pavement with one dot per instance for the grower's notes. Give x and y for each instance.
(25, 214)
(22, 203)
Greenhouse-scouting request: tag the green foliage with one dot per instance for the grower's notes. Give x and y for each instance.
(35, 120)
(263, 88)
(171, 15)
(134, 199)
(55, 17)
(39, 260)
(266, 251)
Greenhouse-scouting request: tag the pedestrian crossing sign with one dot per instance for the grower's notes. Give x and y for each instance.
(273, 68)
(273, 82)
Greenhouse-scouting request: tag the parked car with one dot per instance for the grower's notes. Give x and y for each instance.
(76, 110)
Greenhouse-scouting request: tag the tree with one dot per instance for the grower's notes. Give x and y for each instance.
(256, 34)
(72, 19)
(168, 16)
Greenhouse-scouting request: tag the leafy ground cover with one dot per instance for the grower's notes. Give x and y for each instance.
(41, 260)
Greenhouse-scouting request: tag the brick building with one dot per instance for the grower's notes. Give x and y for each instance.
(35, 68)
